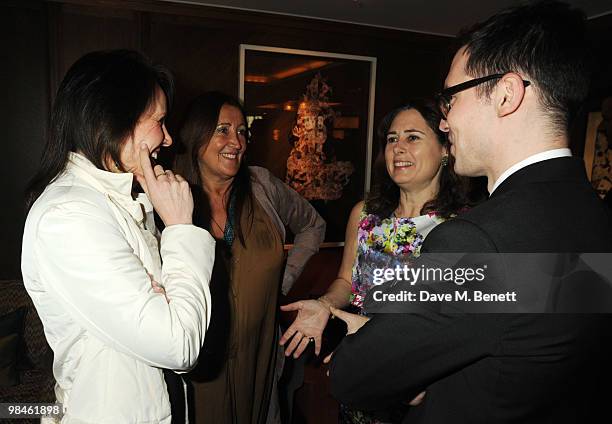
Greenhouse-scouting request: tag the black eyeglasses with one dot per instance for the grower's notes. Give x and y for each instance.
(445, 96)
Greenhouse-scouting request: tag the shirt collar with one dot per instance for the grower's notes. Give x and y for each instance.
(538, 157)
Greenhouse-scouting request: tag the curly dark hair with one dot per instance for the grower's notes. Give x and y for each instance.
(383, 197)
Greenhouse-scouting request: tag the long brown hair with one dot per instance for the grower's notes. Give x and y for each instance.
(196, 132)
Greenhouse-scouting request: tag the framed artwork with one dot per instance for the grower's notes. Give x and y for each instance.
(597, 149)
(589, 142)
(310, 115)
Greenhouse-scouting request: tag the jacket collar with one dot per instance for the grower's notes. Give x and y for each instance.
(116, 186)
(563, 169)
(538, 157)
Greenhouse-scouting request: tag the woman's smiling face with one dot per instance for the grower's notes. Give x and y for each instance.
(151, 130)
(223, 153)
(413, 153)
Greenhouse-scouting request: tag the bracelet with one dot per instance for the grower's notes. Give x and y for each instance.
(345, 280)
(325, 301)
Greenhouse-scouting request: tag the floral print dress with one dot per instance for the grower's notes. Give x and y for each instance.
(383, 243)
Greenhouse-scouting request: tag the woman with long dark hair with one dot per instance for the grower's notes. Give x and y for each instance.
(414, 189)
(246, 209)
(117, 301)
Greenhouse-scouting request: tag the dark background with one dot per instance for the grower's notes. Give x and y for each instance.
(199, 45)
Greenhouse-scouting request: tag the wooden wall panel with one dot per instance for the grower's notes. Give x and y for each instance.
(198, 44)
(77, 30)
(23, 117)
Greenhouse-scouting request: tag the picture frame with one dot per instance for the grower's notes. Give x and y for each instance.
(594, 119)
(310, 115)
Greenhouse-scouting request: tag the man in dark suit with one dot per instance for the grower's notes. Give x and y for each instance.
(512, 90)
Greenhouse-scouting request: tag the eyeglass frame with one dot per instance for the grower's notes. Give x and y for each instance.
(444, 97)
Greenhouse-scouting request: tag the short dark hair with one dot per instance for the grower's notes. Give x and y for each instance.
(383, 198)
(196, 132)
(542, 41)
(97, 107)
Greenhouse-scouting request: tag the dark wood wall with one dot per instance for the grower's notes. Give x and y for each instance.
(24, 107)
(199, 44)
(600, 39)
(600, 36)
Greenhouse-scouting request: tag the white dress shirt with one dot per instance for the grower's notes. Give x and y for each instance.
(538, 157)
(89, 254)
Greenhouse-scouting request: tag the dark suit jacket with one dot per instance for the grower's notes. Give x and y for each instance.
(494, 368)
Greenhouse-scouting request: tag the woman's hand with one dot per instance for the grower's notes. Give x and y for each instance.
(353, 323)
(169, 193)
(310, 322)
(158, 288)
(418, 399)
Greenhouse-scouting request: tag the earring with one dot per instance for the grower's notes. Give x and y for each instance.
(444, 160)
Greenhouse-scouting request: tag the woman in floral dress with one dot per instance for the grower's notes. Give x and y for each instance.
(414, 189)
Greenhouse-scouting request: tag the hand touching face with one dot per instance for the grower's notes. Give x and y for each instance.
(150, 130)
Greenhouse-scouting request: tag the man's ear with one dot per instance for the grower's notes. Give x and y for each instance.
(509, 94)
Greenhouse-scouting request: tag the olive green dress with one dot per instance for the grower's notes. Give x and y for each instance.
(234, 377)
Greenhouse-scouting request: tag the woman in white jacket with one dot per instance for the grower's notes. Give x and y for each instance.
(118, 302)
